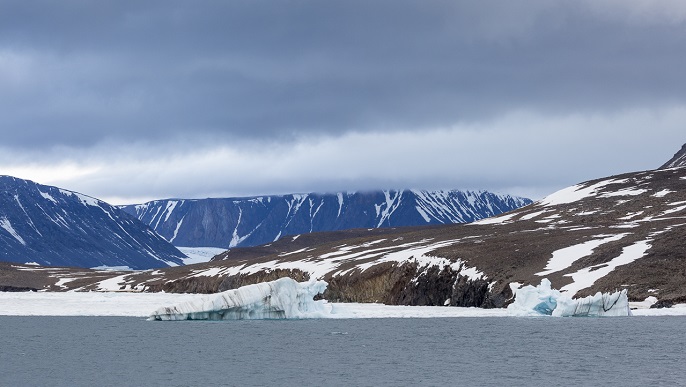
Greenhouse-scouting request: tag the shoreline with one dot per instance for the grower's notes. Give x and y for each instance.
(127, 304)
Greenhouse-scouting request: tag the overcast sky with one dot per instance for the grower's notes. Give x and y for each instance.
(130, 101)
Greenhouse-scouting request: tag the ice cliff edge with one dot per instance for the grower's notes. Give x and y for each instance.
(286, 298)
(542, 300)
(281, 299)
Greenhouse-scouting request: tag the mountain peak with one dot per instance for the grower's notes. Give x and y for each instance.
(679, 159)
(56, 227)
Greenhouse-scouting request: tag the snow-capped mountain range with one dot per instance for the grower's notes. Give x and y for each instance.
(242, 222)
(50, 226)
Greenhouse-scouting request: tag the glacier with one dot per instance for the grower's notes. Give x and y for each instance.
(281, 299)
(543, 300)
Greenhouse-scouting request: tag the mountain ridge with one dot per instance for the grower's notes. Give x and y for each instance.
(678, 160)
(251, 221)
(57, 227)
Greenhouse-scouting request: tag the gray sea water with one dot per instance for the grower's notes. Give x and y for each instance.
(113, 351)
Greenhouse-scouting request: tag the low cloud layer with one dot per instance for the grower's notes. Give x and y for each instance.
(138, 100)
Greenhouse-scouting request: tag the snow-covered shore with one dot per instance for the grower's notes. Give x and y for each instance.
(143, 304)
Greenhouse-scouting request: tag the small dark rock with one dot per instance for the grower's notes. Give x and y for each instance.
(7, 288)
(662, 304)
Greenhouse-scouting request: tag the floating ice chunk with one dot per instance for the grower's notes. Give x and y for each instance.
(542, 300)
(280, 299)
(534, 300)
(599, 305)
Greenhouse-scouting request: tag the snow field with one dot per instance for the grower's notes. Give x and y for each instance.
(199, 254)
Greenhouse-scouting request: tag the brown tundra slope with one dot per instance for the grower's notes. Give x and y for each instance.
(621, 232)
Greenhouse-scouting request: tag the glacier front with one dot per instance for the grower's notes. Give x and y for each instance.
(281, 299)
(542, 300)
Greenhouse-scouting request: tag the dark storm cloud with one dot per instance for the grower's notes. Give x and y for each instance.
(78, 73)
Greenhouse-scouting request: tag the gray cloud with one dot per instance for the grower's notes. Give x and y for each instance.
(245, 69)
(524, 154)
(109, 88)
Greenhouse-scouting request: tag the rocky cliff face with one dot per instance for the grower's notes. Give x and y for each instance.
(51, 226)
(242, 222)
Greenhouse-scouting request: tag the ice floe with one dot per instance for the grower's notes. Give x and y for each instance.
(281, 299)
(542, 300)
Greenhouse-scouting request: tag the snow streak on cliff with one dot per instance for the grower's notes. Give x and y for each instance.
(242, 222)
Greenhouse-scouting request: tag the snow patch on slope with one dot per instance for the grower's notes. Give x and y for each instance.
(84, 199)
(624, 192)
(501, 219)
(564, 258)
(423, 259)
(47, 196)
(661, 193)
(533, 215)
(360, 257)
(586, 277)
(577, 192)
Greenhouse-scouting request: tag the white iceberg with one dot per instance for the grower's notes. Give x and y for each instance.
(542, 300)
(281, 299)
